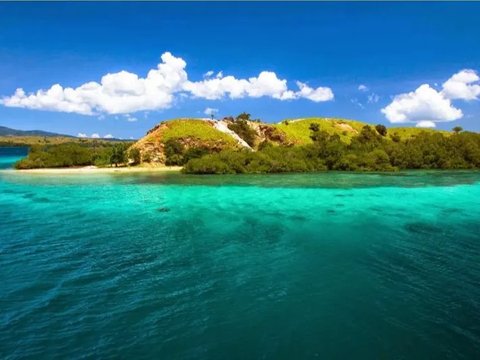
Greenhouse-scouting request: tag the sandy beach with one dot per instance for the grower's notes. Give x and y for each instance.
(97, 170)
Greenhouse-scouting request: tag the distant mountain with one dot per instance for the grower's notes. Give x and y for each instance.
(5, 131)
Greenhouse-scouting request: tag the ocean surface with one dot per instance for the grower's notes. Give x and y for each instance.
(328, 266)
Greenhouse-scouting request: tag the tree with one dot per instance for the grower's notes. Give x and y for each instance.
(173, 150)
(381, 129)
(135, 156)
(244, 116)
(457, 129)
(314, 127)
(242, 129)
(117, 155)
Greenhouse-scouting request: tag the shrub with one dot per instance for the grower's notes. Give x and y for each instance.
(241, 128)
(381, 129)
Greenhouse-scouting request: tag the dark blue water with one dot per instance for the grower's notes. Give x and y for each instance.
(10, 155)
(329, 266)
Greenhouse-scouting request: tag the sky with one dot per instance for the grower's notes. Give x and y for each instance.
(117, 69)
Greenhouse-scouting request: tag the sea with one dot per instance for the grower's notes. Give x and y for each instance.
(293, 266)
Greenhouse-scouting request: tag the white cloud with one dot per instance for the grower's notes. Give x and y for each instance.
(125, 92)
(117, 93)
(94, 136)
(208, 74)
(130, 118)
(425, 124)
(373, 98)
(358, 103)
(462, 85)
(266, 84)
(317, 95)
(362, 87)
(423, 104)
(210, 111)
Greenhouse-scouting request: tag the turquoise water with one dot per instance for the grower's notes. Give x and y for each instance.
(332, 266)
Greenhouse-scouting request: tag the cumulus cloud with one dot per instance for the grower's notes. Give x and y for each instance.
(422, 106)
(82, 135)
(210, 111)
(108, 136)
(125, 92)
(425, 124)
(426, 105)
(265, 84)
(95, 136)
(317, 95)
(462, 85)
(117, 93)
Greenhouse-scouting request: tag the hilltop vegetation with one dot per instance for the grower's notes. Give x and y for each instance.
(14, 140)
(370, 150)
(32, 140)
(298, 131)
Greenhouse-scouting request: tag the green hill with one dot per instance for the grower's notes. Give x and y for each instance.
(183, 134)
(188, 137)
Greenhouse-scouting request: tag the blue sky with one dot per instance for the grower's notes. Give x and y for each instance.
(390, 48)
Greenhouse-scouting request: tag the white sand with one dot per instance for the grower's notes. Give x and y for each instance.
(95, 170)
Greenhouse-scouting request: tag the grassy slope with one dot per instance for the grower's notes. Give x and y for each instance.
(298, 131)
(190, 128)
(408, 132)
(42, 140)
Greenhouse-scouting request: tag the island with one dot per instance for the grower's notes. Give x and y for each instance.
(236, 145)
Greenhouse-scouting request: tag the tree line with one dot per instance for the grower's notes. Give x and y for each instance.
(83, 154)
(370, 150)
